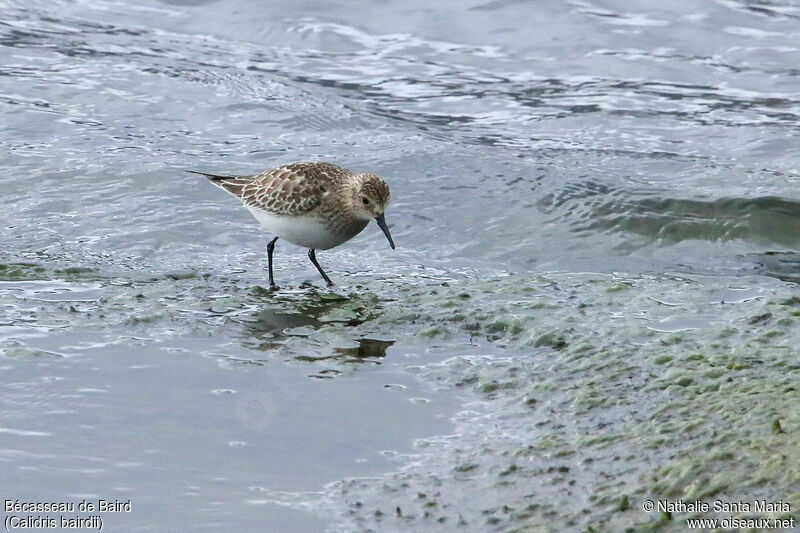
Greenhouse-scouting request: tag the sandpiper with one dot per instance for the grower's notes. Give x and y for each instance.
(315, 205)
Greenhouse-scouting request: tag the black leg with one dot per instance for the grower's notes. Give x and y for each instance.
(313, 258)
(270, 249)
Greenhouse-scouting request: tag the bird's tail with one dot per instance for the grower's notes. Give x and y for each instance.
(231, 184)
(212, 177)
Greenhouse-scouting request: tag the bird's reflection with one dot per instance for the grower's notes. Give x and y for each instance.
(366, 348)
(310, 330)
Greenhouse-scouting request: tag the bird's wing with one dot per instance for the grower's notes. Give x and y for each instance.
(292, 189)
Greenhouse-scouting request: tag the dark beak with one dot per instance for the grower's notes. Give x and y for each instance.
(382, 224)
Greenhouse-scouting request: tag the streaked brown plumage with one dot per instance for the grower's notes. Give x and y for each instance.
(315, 205)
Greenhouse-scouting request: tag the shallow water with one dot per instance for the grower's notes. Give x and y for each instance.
(596, 212)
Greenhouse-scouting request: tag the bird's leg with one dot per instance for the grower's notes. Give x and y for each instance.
(270, 249)
(313, 258)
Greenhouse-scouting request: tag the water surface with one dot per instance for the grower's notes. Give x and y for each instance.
(596, 212)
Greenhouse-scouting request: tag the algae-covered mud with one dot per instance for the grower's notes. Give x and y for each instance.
(585, 395)
(594, 395)
(593, 304)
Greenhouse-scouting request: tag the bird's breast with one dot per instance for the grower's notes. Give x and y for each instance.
(310, 230)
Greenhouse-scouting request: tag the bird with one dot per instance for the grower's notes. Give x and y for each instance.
(316, 205)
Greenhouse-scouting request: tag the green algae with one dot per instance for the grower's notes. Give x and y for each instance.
(73, 271)
(553, 339)
(678, 407)
(466, 467)
(23, 271)
(793, 301)
(144, 319)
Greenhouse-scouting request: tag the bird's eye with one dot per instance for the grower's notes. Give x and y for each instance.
(365, 200)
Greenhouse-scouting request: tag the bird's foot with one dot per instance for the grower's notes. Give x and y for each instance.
(273, 286)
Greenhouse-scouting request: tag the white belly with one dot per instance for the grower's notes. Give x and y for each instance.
(303, 230)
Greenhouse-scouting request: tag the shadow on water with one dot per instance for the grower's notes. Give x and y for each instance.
(766, 218)
(596, 207)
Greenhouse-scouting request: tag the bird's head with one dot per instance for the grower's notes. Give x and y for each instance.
(369, 200)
